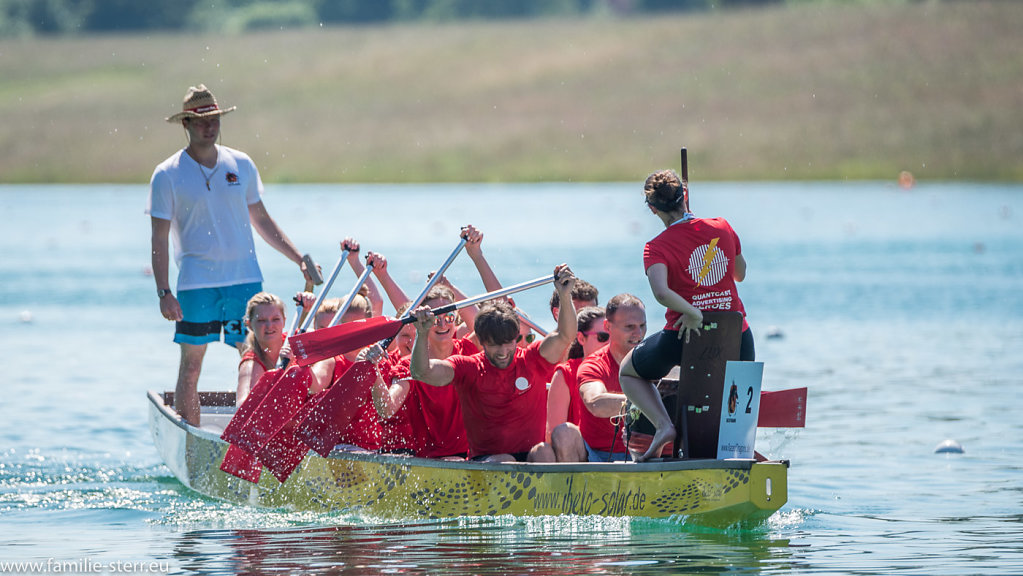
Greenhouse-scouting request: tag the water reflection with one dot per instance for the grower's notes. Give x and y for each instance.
(554, 546)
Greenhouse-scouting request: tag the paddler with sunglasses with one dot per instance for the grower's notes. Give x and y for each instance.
(418, 419)
(503, 389)
(598, 436)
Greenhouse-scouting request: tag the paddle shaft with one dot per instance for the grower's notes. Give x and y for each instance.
(430, 284)
(685, 166)
(323, 293)
(351, 296)
(435, 278)
(529, 322)
(488, 296)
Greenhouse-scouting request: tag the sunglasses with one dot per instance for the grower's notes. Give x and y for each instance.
(449, 318)
(601, 336)
(529, 338)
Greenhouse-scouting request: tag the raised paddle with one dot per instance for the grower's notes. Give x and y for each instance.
(529, 322)
(351, 295)
(430, 283)
(315, 346)
(323, 293)
(325, 424)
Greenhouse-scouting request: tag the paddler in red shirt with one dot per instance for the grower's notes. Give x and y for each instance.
(692, 266)
(598, 438)
(419, 419)
(503, 389)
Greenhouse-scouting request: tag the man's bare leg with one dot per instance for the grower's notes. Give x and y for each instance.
(542, 452)
(186, 395)
(567, 441)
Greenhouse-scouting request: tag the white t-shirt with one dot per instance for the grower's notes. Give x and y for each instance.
(210, 229)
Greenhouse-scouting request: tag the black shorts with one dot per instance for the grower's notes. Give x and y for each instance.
(658, 354)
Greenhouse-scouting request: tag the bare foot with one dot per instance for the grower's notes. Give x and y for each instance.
(661, 438)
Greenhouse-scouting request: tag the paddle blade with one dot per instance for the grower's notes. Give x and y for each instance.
(278, 407)
(317, 345)
(783, 409)
(327, 421)
(238, 462)
(256, 395)
(283, 453)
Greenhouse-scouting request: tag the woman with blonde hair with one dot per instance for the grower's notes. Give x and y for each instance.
(264, 319)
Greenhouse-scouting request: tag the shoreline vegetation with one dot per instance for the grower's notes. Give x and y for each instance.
(814, 91)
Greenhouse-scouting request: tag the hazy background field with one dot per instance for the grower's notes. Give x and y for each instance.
(788, 92)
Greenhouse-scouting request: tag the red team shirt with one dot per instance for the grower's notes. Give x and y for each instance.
(599, 433)
(505, 411)
(570, 370)
(364, 429)
(700, 256)
(429, 422)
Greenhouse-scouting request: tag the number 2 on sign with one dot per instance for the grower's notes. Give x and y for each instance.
(749, 392)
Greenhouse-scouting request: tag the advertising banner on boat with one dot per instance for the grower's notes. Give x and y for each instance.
(740, 409)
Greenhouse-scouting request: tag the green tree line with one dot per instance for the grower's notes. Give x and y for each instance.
(55, 17)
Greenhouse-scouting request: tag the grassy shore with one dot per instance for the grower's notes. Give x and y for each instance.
(797, 92)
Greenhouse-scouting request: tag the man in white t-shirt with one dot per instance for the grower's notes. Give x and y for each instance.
(207, 198)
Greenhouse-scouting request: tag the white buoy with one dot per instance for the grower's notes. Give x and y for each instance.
(25, 317)
(949, 447)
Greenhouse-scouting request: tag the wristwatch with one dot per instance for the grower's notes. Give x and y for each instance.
(163, 292)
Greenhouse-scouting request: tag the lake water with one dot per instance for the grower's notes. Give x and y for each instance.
(902, 311)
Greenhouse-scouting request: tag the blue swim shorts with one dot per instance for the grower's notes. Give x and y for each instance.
(594, 455)
(208, 311)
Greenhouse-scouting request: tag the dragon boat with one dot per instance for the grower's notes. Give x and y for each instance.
(714, 492)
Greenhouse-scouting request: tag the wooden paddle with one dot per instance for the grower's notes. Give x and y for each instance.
(321, 344)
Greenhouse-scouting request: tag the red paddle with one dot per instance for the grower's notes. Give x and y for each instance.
(783, 409)
(326, 422)
(281, 403)
(238, 462)
(322, 344)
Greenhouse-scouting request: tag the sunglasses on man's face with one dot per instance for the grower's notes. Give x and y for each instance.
(529, 338)
(601, 336)
(449, 318)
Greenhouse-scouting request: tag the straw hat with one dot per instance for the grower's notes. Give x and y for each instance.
(199, 103)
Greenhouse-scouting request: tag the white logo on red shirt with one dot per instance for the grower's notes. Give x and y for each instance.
(521, 383)
(708, 264)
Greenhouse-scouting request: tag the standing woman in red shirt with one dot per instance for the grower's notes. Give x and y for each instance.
(692, 266)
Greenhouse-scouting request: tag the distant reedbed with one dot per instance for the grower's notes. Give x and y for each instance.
(790, 92)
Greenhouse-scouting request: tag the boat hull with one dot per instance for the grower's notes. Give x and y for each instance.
(708, 492)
